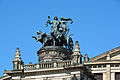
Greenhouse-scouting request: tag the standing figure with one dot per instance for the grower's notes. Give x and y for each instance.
(65, 30)
(55, 33)
(64, 25)
(55, 26)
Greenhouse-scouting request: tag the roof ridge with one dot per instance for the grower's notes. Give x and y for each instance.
(117, 48)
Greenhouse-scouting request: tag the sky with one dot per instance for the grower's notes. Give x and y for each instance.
(96, 26)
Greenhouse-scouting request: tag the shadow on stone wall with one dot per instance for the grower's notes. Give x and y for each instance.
(74, 77)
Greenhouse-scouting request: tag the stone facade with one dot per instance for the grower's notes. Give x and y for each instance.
(54, 64)
(106, 66)
(54, 53)
(55, 73)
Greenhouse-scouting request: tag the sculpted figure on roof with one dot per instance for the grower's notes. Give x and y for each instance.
(58, 34)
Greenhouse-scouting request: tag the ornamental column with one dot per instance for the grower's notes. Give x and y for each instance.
(77, 56)
(17, 62)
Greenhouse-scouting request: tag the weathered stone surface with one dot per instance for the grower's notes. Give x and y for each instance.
(54, 53)
(107, 64)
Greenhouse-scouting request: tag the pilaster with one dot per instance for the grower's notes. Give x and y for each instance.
(108, 72)
(104, 76)
(113, 76)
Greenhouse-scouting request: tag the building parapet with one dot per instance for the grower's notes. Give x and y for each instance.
(45, 65)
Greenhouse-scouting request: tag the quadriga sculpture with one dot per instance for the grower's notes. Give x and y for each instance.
(58, 34)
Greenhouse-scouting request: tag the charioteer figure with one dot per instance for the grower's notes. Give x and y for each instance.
(58, 34)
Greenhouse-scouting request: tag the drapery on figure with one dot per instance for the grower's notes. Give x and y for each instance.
(58, 34)
(55, 26)
(64, 25)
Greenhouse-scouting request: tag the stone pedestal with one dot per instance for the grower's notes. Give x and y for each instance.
(54, 53)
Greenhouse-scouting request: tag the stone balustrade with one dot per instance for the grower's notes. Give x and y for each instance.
(97, 66)
(46, 65)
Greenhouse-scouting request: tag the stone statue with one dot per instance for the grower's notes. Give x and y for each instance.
(43, 38)
(64, 25)
(55, 26)
(58, 34)
(65, 31)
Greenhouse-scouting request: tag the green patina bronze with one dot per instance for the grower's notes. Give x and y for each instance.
(58, 34)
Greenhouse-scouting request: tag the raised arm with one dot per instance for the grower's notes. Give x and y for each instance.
(69, 19)
(48, 21)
